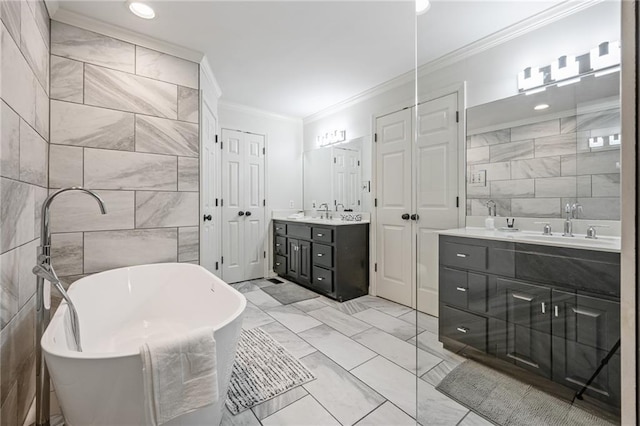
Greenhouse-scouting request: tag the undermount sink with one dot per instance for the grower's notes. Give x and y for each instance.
(577, 240)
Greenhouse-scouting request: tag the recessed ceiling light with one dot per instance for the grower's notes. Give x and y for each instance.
(541, 107)
(422, 6)
(142, 10)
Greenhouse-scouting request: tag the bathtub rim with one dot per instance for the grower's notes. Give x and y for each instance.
(51, 348)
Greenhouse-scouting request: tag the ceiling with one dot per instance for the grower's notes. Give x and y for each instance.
(296, 58)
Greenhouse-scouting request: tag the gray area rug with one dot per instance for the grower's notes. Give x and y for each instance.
(507, 401)
(262, 370)
(288, 293)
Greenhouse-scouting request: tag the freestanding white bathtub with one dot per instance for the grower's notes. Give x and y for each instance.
(120, 309)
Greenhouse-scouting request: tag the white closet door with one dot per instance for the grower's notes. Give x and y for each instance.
(209, 239)
(254, 222)
(346, 178)
(233, 187)
(394, 194)
(436, 177)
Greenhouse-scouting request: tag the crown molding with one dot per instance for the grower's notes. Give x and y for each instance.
(207, 72)
(257, 111)
(527, 25)
(90, 24)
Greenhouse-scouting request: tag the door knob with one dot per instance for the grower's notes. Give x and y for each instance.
(248, 214)
(415, 217)
(207, 217)
(240, 213)
(405, 216)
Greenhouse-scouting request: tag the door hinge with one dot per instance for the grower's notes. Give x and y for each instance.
(263, 151)
(358, 202)
(334, 160)
(375, 267)
(375, 137)
(222, 260)
(457, 116)
(221, 202)
(216, 202)
(217, 266)
(358, 162)
(457, 202)
(264, 254)
(375, 202)
(216, 138)
(221, 143)
(264, 202)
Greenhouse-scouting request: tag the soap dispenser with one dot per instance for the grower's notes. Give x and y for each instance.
(490, 222)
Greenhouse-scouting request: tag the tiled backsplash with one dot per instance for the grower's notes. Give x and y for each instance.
(124, 122)
(24, 136)
(535, 169)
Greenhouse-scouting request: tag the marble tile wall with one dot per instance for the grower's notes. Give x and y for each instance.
(124, 122)
(24, 146)
(534, 170)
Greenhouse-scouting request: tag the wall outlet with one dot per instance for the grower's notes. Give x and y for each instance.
(291, 203)
(478, 178)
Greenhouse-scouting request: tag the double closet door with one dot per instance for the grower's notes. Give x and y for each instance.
(243, 211)
(417, 163)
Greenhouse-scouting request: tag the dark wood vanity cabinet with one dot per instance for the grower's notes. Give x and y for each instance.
(550, 310)
(331, 260)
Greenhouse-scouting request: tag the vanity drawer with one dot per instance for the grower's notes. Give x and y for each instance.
(300, 231)
(323, 255)
(464, 256)
(280, 229)
(281, 246)
(463, 327)
(323, 279)
(280, 265)
(453, 287)
(323, 234)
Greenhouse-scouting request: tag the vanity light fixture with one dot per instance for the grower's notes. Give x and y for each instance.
(529, 78)
(422, 6)
(606, 55)
(540, 107)
(141, 10)
(564, 67)
(568, 82)
(332, 138)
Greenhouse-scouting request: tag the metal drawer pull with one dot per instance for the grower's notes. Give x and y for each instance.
(277, 264)
(555, 308)
(544, 308)
(461, 289)
(461, 255)
(277, 245)
(320, 254)
(320, 278)
(584, 312)
(320, 235)
(462, 329)
(525, 298)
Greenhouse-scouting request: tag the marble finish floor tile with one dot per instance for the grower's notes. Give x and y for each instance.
(304, 412)
(290, 340)
(273, 405)
(287, 293)
(436, 408)
(473, 419)
(426, 322)
(261, 299)
(437, 373)
(397, 351)
(383, 305)
(349, 307)
(429, 342)
(345, 324)
(254, 317)
(386, 415)
(346, 398)
(310, 305)
(246, 418)
(262, 283)
(391, 325)
(292, 318)
(341, 349)
(245, 286)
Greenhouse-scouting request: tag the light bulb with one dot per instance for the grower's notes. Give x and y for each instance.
(142, 10)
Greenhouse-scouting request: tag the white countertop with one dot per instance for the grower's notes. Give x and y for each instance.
(318, 221)
(610, 244)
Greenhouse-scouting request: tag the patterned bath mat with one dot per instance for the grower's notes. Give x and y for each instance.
(262, 370)
(506, 401)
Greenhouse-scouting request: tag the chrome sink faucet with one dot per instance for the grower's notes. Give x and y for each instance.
(326, 210)
(339, 204)
(571, 212)
(44, 271)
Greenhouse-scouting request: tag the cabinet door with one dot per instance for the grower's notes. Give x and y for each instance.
(304, 257)
(294, 255)
(585, 329)
(525, 310)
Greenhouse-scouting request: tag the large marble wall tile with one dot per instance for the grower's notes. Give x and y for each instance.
(115, 249)
(536, 130)
(67, 79)
(520, 188)
(9, 142)
(160, 66)
(105, 169)
(536, 207)
(65, 166)
(188, 174)
(583, 185)
(599, 120)
(127, 92)
(11, 15)
(40, 194)
(16, 214)
(601, 208)
(551, 146)
(86, 46)
(478, 155)
(188, 244)
(595, 163)
(41, 15)
(27, 255)
(556, 187)
(188, 104)
(535, 168)
(479, 207)
(568, 124)
(479, 191)
(33, 156)
(512, 151)
(75, 211)
(495, 171)
(606, 185)
(66, 253)
(82, 125)
(164, 209)
(17, 81)
(568, 165)
(9, 408)
(42, 112)
(490, 138)
(34, 48)
(162, 136)
(9, 286)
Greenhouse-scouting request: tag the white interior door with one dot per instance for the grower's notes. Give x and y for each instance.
(243, 209)
(436, 178)
(346, 178)
(210, 225)
(394, 194)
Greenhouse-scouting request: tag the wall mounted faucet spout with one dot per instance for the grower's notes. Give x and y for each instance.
(44, 271)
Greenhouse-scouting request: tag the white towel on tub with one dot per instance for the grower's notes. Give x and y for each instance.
(180, 375)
